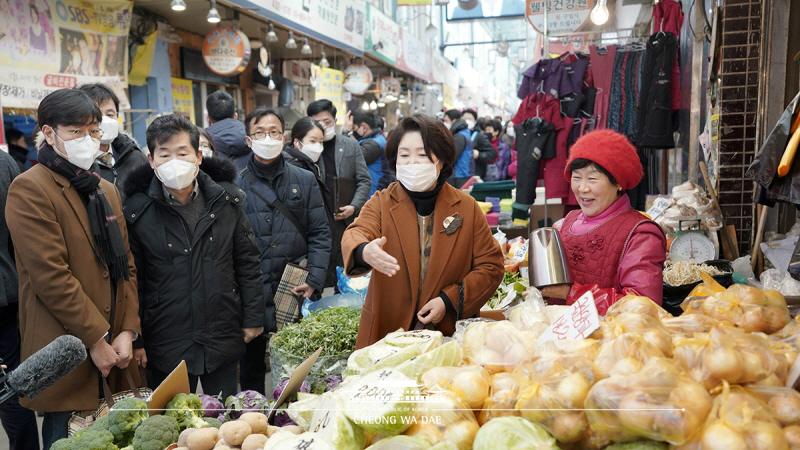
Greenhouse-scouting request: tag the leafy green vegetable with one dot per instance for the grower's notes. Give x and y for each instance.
(509, 277)
(511, 281)
(156, 433)
(125, 417)
(90, 440)
(513, 433)
(187, 409)
(335, 330)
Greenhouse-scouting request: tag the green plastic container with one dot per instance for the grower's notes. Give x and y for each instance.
(501, 189)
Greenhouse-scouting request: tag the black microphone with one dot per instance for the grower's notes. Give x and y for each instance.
(42, 369)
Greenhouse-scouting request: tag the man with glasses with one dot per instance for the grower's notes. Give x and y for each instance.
(341, 157)
(76, 272)
(284, 205)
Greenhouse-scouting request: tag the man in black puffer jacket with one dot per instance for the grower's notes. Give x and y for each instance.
(200, 293)
(268, 177)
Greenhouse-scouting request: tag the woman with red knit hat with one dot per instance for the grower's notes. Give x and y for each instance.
(612, 249)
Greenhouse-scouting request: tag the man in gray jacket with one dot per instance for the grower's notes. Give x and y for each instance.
(341, 157)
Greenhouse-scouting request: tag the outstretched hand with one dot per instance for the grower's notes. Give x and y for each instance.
(378, 259)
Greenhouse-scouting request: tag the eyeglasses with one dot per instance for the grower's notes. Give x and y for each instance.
(205, 147)
(78, 134)
(259, 135)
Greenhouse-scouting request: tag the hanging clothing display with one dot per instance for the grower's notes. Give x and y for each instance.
(602, 60)
(655, 113)
(534, 137)
(668, 17)
(547, 76)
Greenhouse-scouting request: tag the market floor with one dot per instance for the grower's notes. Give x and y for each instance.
(4, 438)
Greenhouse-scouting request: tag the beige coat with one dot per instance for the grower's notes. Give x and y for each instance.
(470, 255)
(63, 287)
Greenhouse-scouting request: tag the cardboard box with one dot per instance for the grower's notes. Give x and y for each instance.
(555, 212)
(494, 314)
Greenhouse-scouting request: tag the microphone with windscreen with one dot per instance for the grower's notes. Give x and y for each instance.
(42, 369)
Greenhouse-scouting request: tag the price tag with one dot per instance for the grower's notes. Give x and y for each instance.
(659, 206)
(521, 253)
(578, 322)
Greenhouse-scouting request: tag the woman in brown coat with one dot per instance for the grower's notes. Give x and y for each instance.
(435, 260)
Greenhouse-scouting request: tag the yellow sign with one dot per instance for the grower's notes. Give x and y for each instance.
(448, 97)
(328, 85)
(183, 98)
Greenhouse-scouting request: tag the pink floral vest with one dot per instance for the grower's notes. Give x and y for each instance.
(594, 256)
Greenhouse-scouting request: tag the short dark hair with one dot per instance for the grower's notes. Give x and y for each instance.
(437, 139)
(453, 114)
(220, 106)
(495, 124)
(582, 163)
(99, 93)
(260, 112)
(203, 132)
(481, 124)
(362, 116)
(319, 106)
(379, 123)
(163, 128)
(68, 107)
(470, 111)
(303, 126)
(13, 134)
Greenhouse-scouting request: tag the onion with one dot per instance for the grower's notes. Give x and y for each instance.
(504, 381)
(462, 434)
(786, 407)
(569, 426)
(719, 436)
(765, 436)
(427, 430)
(722, 363)
(573, 389)
(633, 412)
(792, 434)
(472, 387)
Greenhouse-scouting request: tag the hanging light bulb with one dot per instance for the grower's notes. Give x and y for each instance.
(271, 36)
(599, 14)
(430, 31)
(365, 106)
(271, 84)
(213, 14)
(178, 5)
(306, 50)
(324, 61)
(291, 42)
(373, 105)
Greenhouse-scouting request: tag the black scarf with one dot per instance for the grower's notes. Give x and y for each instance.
(109, 245)
(425, 202)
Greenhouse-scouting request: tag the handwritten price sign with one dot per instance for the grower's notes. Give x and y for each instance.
(580, 320)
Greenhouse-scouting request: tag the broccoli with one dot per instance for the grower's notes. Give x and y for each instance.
(187, 409)
(126, 415)
(100, 424)
(156, 433)
(213, 422)
(89, 440)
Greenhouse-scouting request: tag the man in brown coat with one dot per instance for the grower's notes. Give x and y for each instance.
(76, 272)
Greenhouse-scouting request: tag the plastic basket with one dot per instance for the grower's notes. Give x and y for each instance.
(675, 295)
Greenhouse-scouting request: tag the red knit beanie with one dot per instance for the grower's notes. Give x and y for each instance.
(613, 152)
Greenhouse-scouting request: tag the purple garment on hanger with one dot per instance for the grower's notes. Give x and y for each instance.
(547, 76)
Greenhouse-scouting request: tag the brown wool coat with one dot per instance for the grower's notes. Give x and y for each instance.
(63, 287)
(470, 255)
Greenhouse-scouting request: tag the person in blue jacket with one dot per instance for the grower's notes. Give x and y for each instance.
(372, 142)
(462, 136)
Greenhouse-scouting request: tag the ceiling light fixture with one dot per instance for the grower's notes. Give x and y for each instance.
(599, 14)
(178, 5)
(291, 42)
(306, 50)
(431, 31)
(365, 106)
(381, 104)
(271, 36)
(373, 105)
(213, 14)
(324, 61)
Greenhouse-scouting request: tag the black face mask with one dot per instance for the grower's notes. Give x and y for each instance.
(358, 136)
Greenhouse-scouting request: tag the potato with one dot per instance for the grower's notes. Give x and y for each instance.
(254, 442)
(235, 432)
(257, 421)
(184, 435)
(272, 429)
(203, 439)
(294, 429)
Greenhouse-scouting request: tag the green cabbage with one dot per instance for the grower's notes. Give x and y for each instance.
(302, 410)
(449, 354)
(444, 445)
(513, 433)
(382, 402)
(401, 443)
(334, 426)
(392, 351)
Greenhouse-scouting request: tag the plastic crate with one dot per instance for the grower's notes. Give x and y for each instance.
(675, 295)
(500, 189)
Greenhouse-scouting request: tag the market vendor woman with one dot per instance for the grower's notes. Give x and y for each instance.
(608, 243)
(434, 258)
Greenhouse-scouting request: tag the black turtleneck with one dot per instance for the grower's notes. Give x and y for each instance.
(267, 171)
(425, 202)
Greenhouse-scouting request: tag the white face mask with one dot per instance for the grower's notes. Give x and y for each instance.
(110, 129)
(510, 131)
(313, 151)
(470, 124)
(330, 133)
(207, 153)
(81, 152)
(417, 177)
(267, 148)
(177, 174)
